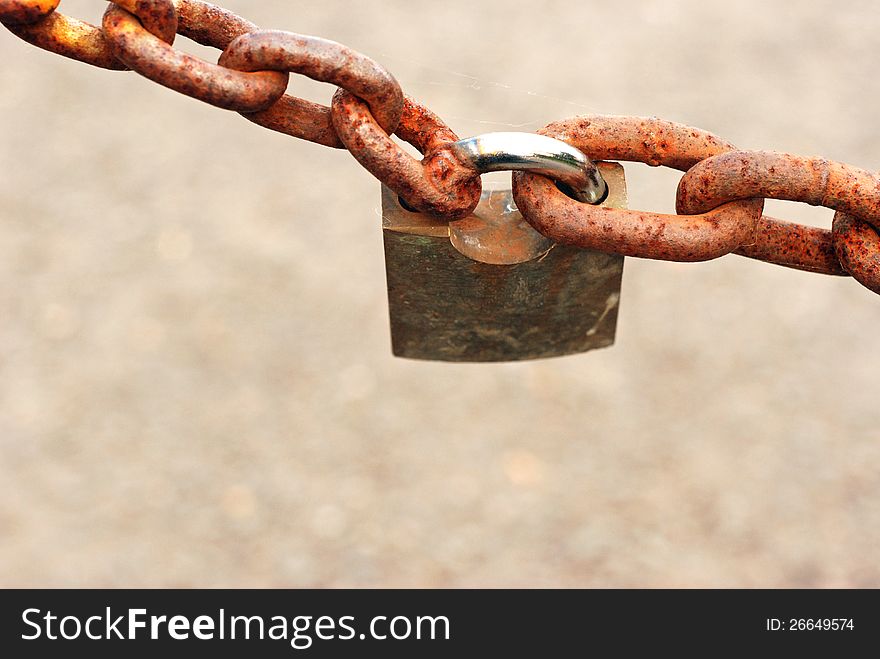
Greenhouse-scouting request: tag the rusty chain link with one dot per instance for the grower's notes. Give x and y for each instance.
(636, 233)
(719, 199)
(438, 184)
(153, 57)
(852, 244)
(319, 59)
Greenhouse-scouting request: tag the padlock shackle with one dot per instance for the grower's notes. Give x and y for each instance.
(505, 151)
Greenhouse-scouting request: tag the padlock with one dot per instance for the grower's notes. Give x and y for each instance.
(489, 288)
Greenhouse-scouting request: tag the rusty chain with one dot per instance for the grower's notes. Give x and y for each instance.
(719, 201)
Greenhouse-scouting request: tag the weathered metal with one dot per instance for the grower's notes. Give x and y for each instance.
(815, 181)
(209, 24)
(158, 17)
(65, 36)
(489, 288)
(631, 232)
(154, 59)
(77, 39)
(319, 59)
(746, 174)
(440, 184)
(18, 12)
(795, 246)
(857, 245)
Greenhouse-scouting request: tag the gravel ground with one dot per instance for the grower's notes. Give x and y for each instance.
(196, 386)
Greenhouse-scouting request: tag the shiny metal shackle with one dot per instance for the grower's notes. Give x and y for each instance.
(503, 151)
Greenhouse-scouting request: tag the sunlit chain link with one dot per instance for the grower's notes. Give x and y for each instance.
(720, 198)
(22, 13)
(37, 22)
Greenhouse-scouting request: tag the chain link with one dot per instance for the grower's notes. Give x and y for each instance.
(439, 184)
(154, 58)
(719, 199)
(815, 181)
(319, 59)
(630, 232)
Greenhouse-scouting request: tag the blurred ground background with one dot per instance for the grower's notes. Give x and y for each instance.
(196, 386)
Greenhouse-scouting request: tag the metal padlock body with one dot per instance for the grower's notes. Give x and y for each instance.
(489, 288)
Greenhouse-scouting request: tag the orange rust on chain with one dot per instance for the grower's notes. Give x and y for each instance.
(815, 181)
(300, 118)
(158, 17)
(22, 12)
(631, 232)
(795, 246)
(422, 128)
(214, 26)
(189, 75)
(60, 34)
(209, 24)
(319, 59)
(439, 184)
(857, 245)
(84, 42)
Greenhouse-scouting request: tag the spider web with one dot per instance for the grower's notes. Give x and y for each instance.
(495, 96)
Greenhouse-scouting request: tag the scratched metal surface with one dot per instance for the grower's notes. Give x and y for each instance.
(196, 385)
